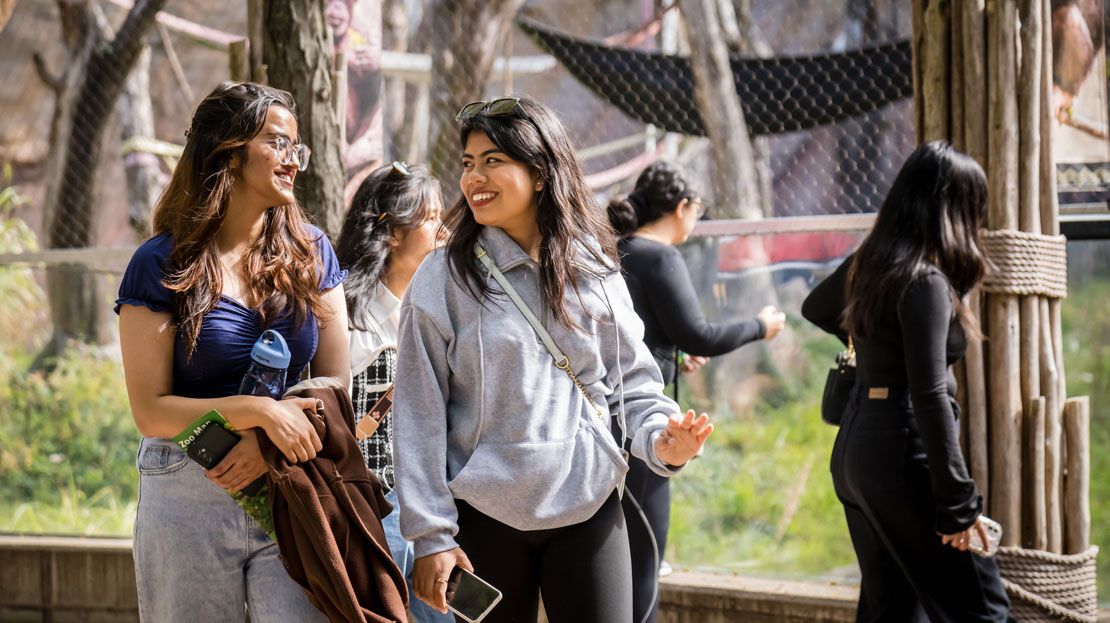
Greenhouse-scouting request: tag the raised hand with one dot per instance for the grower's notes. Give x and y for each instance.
(683, 437)
(773, 319)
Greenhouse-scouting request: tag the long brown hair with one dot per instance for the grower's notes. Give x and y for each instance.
(385, 203)
(569, 219)
(930, 217)
(282, 267)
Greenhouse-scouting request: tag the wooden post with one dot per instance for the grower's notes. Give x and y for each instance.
(1033, 519)
(1053, 455)
(1077, 508)
(972, 36)
(975, 74)
(256, 31)
(1005, 394)
(238, 60)
(1029, 220)
(934, 71)
(956, 84)
(977, 414)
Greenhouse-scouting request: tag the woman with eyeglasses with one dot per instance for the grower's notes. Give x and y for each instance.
(519, 347)
(910, 504)
(231, 256)
(392, 224)
(659, 213)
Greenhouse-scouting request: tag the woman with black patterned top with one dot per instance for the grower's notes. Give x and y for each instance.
(394, 221)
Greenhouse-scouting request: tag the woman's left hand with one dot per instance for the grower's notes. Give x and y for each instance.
(683, 438)
(691, 363)
(242, 465)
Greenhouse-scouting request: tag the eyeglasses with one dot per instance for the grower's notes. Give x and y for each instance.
(286, 151)
(401, 168)
(494, 108)
(702, 209)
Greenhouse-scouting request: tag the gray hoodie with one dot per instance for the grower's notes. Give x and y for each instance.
(483, 415)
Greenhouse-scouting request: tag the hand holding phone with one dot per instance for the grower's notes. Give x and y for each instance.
(993, 530)
(469, 596)
(212, 445)
(430, 574)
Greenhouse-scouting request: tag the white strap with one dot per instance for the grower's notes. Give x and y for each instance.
(560, 359)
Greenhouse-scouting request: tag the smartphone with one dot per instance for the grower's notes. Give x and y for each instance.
(211, 446)
(469, 596)
(994, 537)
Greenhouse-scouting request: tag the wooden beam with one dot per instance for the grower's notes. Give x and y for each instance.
(1077, 427)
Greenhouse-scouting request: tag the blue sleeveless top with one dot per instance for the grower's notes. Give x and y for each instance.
(229, 331)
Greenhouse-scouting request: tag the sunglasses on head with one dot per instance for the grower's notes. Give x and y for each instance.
(401, 168)
(493, 108)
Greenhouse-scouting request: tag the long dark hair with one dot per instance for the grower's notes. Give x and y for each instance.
(386, 202)
(930, 217)
(569, 218)
(281, 268)
(659, 190)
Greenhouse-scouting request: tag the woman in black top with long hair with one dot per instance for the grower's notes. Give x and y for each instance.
(910, 504)
(660, 212)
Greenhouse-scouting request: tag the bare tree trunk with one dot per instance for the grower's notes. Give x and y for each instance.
(144, 171)
(752, 42)
(734, 169)
(297, 53)
(93, 82)
(463, 52)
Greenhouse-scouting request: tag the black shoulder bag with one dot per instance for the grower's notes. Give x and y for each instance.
(838, 386)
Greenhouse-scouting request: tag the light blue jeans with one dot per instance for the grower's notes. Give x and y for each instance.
(198, 557)
(402, 555)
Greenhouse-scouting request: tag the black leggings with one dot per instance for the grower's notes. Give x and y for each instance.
(583, 569)
(653, 493)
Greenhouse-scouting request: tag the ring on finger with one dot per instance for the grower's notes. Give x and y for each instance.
(441, 580)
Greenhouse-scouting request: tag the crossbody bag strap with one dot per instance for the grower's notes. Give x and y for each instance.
(561, 360)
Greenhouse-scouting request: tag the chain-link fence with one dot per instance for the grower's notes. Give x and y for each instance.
(825, 90)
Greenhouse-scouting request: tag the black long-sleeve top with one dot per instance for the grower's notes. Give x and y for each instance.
(918, 338)
(665, 300)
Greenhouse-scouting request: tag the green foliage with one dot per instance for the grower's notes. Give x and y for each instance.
(760, 500)
(1086, 319)
(21, 299)
(67, 448)
(67, 440)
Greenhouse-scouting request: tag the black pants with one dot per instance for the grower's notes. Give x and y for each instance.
(583, 570)
(653, 493)
(880, 475)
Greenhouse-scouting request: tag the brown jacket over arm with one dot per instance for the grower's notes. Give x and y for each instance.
(327, 518)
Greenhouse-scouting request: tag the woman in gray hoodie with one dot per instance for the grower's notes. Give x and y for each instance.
(505, 456)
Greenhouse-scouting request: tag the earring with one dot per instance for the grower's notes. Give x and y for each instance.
(539, 186)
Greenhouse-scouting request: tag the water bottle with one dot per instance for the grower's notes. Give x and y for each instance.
(269, 361)
(265, 377)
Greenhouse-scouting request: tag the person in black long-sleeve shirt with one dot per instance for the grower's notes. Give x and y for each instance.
(910, 505)
(660, 213)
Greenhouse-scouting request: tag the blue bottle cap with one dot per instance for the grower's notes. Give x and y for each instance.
(271, 350)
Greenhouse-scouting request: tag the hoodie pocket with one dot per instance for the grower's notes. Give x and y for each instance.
(543, 484)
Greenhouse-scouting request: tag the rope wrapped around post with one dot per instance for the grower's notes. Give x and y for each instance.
(1024, 263)
(1050, 588)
